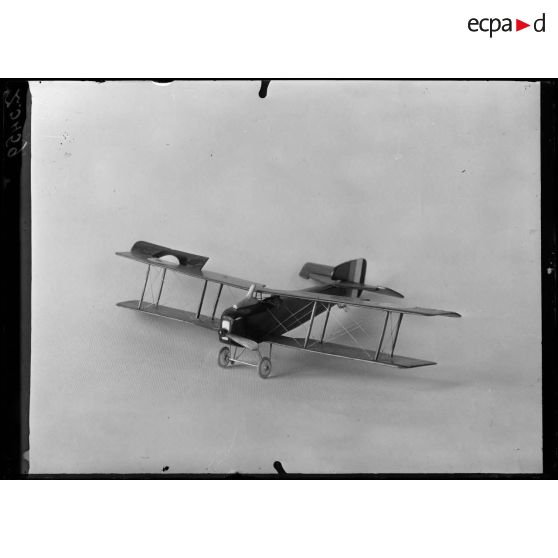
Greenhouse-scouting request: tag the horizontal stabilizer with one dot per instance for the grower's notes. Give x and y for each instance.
(310, 268)
(352, 271)
(352, 285)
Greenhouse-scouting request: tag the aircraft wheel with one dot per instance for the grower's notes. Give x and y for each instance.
(224, 357)
(264, 367)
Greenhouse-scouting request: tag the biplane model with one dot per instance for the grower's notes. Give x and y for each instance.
(264, 316)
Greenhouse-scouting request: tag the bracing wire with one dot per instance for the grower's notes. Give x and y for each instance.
(352, 337)
(280, 324)
(299, 323)
(152, 278)
(359, 326)
(292, 315)
(339, 333)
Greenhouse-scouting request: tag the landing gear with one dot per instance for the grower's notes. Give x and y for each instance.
(230, 355)
(264, 367)
(224, 358)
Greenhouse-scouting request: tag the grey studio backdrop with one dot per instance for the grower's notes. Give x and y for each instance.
(435, 183)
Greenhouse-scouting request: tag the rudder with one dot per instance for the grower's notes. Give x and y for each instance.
(353, 270)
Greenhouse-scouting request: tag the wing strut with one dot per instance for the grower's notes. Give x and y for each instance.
(161, 287)
(144, 287)
(382, 337)
(396, 334)
(311, 322)
(201, 300)
(217, 301)
(325, 323)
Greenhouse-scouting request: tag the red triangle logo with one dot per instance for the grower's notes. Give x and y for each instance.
(519, 25)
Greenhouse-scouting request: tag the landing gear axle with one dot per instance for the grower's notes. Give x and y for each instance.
(225, 359)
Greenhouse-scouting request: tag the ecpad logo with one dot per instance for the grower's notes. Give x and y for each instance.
(492, 25)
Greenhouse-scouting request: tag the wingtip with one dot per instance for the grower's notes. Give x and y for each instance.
(392, 292)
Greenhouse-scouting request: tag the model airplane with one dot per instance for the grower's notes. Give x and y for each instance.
(265, 315)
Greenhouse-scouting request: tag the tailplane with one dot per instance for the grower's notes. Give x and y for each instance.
(353, 271)
(348, 277)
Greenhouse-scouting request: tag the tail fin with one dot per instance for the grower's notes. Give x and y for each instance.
(353, 271)
(347, 277)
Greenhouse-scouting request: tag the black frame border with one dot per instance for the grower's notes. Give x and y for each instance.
(15, 320)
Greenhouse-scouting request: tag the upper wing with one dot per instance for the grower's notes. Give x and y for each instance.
(189, 264)
(352, 285)
(360, 302)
